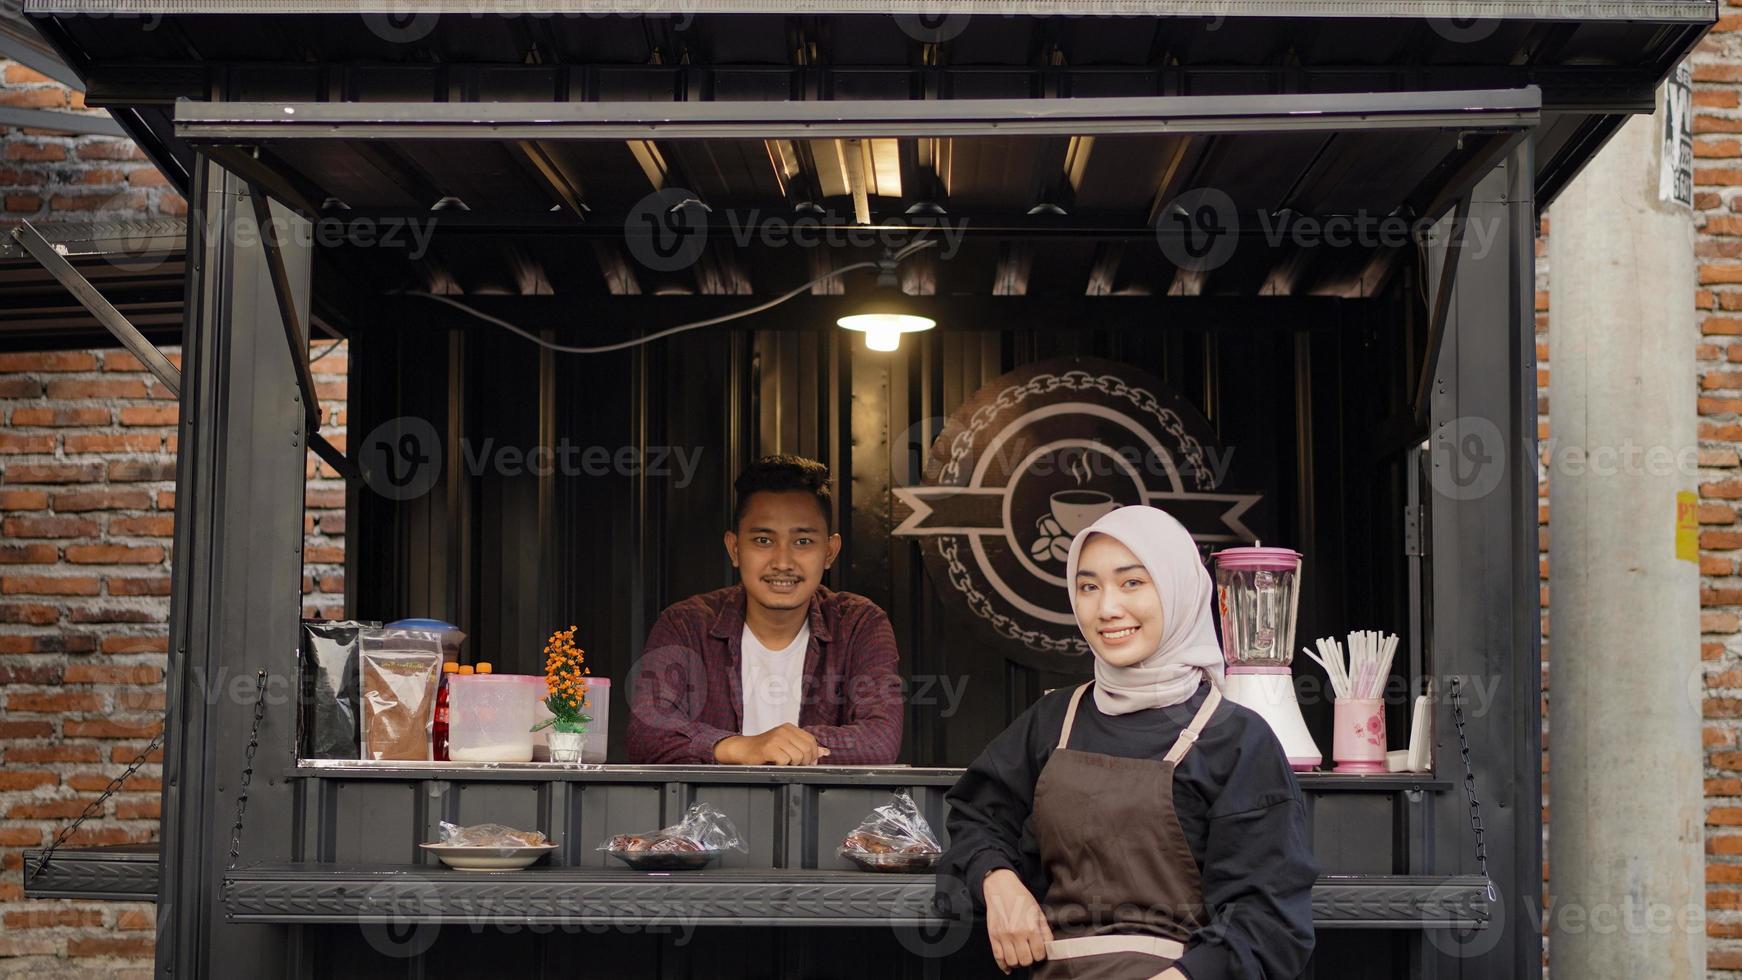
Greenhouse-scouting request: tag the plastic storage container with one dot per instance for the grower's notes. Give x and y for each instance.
(598, 706)
(452, 636)
(490, 716)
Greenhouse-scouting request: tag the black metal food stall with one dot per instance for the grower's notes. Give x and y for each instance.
(1038, 155)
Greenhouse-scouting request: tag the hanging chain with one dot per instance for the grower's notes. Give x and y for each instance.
(97, 804)
(1470, 788)
(247, 769)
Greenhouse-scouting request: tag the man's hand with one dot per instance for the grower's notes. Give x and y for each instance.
(1014, 921)
(784, 745)
(1171, 973)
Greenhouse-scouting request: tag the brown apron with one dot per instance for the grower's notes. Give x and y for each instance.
(1125, 894)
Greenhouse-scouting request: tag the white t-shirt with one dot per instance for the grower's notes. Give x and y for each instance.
(773, 681)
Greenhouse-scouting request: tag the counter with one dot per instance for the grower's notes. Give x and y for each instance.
(365, 900)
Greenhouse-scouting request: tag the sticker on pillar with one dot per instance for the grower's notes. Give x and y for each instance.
(1687, 526)
(1029, 461)
(1675, 173)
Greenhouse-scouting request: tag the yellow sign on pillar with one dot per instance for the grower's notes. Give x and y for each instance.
(1687, 526)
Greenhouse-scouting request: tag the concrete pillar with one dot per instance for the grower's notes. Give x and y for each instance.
(1626, 829)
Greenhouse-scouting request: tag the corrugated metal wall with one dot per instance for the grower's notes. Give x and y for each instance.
(510, 556)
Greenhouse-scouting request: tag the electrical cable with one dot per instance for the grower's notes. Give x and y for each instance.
(891, 259)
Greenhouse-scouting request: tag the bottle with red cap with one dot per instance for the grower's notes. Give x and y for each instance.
(439, 731)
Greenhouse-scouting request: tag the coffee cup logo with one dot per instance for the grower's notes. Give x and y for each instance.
(1068, 512)
(1035, 458)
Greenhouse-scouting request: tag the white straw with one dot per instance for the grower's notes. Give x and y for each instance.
(1336, 665)
(1321, 663)
(1363, 670)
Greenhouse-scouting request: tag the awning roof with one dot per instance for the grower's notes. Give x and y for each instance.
(544, 124)
(138, 265)
(1591, 59)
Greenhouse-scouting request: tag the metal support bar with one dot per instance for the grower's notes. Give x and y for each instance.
(305, 379)
(105, 313)
(230, 123)
(18, 42)
(76, 123)
(281, 289)
(290, 189)
(1436, 330)
(1666, 11)
(333, 457)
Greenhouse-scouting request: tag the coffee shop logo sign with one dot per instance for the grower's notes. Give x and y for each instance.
(1034, 457)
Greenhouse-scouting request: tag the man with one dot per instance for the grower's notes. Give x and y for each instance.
(776, 670)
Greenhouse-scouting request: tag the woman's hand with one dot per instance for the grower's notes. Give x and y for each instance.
(1171, 973)
(1014, 921)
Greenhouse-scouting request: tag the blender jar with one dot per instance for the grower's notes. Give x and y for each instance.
(1257, 595)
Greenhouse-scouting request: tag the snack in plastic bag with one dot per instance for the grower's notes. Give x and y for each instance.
(398, 672)
(329, 678)
(488, 847)
(895, 837)
(490, 835)
(702, 835)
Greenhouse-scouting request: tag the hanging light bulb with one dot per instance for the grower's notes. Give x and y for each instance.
(883, 330)
(887, 314)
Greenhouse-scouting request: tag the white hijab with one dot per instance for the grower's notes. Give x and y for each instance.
(1189, 649)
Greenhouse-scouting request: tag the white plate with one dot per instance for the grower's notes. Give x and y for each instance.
(487, 858)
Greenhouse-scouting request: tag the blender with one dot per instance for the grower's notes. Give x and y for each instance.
(1257, 593)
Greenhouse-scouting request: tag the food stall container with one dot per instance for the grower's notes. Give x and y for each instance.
(518, 161)
(490, 717)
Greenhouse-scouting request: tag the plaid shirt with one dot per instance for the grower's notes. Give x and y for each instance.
(686, 691)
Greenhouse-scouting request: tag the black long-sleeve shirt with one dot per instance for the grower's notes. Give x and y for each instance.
(1236, 799)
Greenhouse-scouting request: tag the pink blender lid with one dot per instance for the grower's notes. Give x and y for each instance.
(1258, 557)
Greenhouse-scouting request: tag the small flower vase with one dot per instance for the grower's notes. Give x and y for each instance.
(1358, 744)
(566, 746)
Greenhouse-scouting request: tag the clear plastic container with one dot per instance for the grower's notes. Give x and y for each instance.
(598, 707)
(490, 716)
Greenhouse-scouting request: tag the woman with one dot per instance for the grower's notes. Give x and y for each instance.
(1160, 822)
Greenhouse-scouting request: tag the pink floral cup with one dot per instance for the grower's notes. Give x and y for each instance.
(1358, 744)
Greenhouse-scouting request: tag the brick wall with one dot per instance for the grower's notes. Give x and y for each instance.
(87, 501)
(50, 176)
(1718, 219)
(87, 504)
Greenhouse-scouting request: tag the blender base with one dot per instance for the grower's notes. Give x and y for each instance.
(1269, 691)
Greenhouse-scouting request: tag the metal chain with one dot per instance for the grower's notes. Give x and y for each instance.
(247, 769)
(97, 804)
(1470, 787)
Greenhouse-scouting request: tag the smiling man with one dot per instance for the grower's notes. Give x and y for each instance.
(776, 670)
